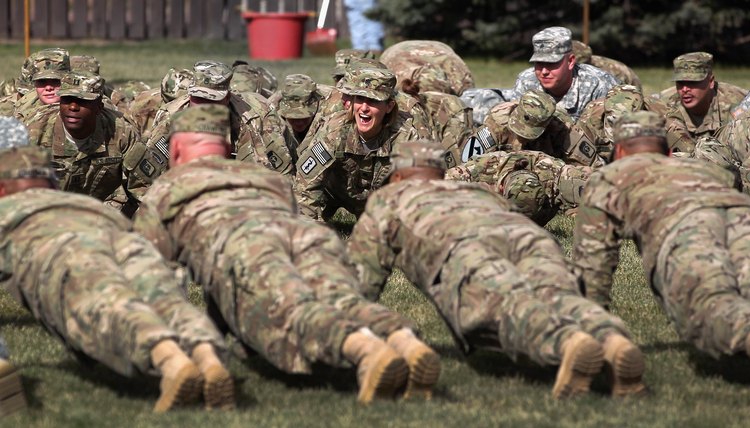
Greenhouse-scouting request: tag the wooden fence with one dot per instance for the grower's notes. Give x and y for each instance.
(148, 19)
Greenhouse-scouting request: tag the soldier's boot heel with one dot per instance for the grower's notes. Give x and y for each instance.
(624, 364)
(12, 398)
(380, 370)
(181, 380)
(583, 358)
(218, 386)
(423, 362)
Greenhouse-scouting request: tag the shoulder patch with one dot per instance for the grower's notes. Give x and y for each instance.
(162, 145)
(586, 149)
(472, 148)
(147, 167)
(321, 153)
(308, 165)
(274, 159)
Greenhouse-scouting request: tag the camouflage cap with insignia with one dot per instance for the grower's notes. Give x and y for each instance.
(374, 83)
(18, 158)
(208, 118)
(344, 57)
(582, 51)
(175, 83)
(299, 97)
(639, 124)
(532, 115)
(622, 99)
(524, 188)
(692, 67)
(24, 83)
(81, 84)
(419, 153)
(211, 80)
(85, 63)
(551, 44)
(51, 63)
(248, 78)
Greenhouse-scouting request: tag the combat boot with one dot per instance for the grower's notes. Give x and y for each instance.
(380, 370)
(625, 365)
(582, 359)
(181, 381)
(218, 386)
(423, 362)
(11, 390)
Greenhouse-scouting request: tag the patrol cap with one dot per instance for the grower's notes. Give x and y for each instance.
(24, 83)
(299, 97)
(551, 44)
(639, 124)
(18, 158)
(692, 67)
(524, 188)
(208, 118)
(419, 153)
(211, 80)
(377, 84)
(85, 63)
(51, 64)
(344, 56)
(81, 84)
(532, 115)
(582, 51)
(175, 83)
(622, 99)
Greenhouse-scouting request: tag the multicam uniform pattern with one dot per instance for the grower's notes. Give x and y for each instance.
(281, 283)
(691, 228)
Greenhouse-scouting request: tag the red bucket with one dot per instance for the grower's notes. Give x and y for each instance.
(275, 35)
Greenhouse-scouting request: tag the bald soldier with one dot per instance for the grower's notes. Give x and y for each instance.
(103, 291)
(279, 282)
(691, 227)
(500, 281)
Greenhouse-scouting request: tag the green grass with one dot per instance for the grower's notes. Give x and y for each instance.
(483, 389)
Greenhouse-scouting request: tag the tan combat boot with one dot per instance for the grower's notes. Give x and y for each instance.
(11, 390)
(380, 370)
(423, 362)
(582, 359)
(181, 381)
(624, 365)
(218, 386)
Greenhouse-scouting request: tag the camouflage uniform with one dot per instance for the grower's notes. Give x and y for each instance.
(433, 65)
(498, 280)
(619, 70)
(742, 107)
(451, 123)
(335, 167)
(736, 135)
(682, 127)
(561, 184)
(146, 104)
(343, 57)
(690, 226)
(124, 95)
(248, 79)
(94, 166)
(280, 283)
(533, 123)
(21, 86)
(51, 63)
(298, 99)
(482, 100)
(104, 291)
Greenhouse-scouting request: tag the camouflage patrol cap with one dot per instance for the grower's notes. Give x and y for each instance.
(692, 67)
(524, 188)
(532, 115)
(208, 118)
(51, 64)
(175, 83)
(81, 84)
(18, 158)
(24, 83)
(248, 78)
(622, 99)
(85, 63)
(639, 124)
(582, 51)
(377, 84)
(344, 57)
(551, 44)
(299, 97)
(211, 80)
(419, 153)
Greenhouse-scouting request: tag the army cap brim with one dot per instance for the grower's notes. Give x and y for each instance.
(689, 75)
(547, 57)
(207, 93)
(367, 93)
(48, 74)
(77, 93)
(298, 110)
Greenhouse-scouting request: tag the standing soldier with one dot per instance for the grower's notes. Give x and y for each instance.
(691, 227)
(499, 280)
(281, 283)
(104, 291)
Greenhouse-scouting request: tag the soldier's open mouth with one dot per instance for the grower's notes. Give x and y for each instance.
(364, 119)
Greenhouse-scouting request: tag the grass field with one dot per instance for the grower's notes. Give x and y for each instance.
(483, 389)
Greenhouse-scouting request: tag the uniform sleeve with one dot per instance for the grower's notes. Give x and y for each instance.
(148, 224)
(373, 256)
(526, 80)
(315, 160)
(596, 244)
(262, 141)
(678, 136)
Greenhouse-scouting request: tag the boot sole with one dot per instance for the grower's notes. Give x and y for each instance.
(185, 388)
(580, 364)
(626, 372)
(387, 375)
(11, 393)
(424, 372)
(218, 389)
